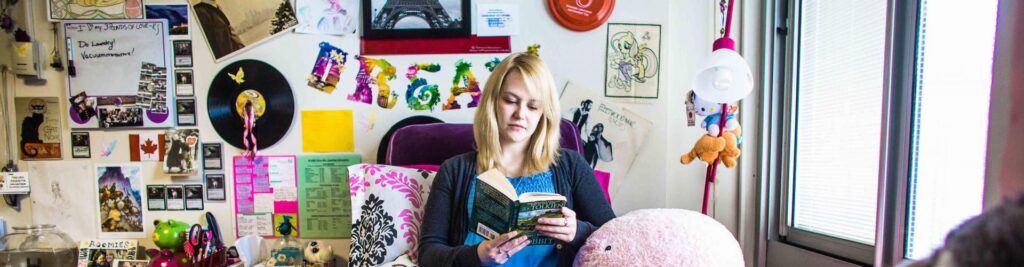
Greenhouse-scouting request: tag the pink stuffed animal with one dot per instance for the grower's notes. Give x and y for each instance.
(661, 237)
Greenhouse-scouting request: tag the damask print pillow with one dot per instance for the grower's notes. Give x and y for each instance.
(387, 208)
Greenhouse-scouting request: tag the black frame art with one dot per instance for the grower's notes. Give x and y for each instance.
(383, 30)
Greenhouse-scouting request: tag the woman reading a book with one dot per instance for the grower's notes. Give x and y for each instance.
(516, 129)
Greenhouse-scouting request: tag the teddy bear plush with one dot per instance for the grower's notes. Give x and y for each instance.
(661, 237)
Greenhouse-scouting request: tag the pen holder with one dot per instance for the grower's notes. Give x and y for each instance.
(217, 259)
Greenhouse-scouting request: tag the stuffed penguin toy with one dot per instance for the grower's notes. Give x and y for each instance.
(317, 254)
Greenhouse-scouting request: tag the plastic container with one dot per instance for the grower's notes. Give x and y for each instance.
(38, 245)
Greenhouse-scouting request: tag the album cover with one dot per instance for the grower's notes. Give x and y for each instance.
(156, 196)
(186, 111)
(39, 127)
(212, 159)
(80, 148)
(215, 187)
(194, 197)
(175, 197)
(182, 156)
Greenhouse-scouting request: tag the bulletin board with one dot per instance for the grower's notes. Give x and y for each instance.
(120, 73)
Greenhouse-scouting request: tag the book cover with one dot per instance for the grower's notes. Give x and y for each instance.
(104, 252)
(498, 209)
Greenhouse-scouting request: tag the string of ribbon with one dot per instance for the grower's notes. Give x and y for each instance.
(250, 132)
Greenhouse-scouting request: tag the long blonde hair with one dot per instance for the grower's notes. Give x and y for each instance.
(544, 143)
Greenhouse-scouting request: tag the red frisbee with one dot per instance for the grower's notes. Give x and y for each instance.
(581, 15)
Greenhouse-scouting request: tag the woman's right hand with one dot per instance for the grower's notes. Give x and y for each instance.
(498, 250)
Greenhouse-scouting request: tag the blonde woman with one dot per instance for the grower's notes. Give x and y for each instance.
(516, 131)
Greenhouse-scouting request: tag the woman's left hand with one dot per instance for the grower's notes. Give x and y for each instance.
(562, 229)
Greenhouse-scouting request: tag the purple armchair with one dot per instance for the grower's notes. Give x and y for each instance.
(433, 143)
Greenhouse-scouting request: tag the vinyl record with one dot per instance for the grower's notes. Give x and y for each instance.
(262, 85)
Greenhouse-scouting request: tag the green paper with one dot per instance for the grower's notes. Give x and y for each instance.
(325, 205)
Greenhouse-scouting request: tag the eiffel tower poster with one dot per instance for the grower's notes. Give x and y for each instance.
(396, 19)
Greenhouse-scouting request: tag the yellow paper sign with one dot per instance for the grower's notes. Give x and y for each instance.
(327, 131)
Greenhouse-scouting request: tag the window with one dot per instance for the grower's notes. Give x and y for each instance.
(876, 124)
(951, 102)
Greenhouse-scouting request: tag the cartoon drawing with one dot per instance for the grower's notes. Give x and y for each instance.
(420, 94)
(385, 97)
(633, 60)
(463, 75)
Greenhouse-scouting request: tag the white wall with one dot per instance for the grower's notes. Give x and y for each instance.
(657, 179)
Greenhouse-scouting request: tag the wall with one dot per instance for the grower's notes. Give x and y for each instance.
(657, 179)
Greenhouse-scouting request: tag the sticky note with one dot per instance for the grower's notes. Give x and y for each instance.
(327, 131)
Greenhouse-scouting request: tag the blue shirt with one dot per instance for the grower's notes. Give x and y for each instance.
(535, 255)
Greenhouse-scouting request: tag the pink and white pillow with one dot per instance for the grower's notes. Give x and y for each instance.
(387, 208)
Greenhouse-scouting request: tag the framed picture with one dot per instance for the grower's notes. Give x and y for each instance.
(215, 187)
(632, 60)
(212, 159)
(156, 196)
(383, 19)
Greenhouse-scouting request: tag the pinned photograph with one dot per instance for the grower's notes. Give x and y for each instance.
(156, 197)
(119, 196)
(186, 111)
(215, 187)
(176, 16)
(231, 25)
(80, 148)
(119, 111)
(384, 19)
(83, 107)
(182, 154)
(153, 88)
(212, 159)
(183, 53)
(39, 127)
(175, 197)
(194, 197)
(183, 83)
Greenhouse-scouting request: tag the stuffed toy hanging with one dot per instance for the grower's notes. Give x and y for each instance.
(711, 146)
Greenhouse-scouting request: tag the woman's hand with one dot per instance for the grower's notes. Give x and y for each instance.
(498, 250)
(562, 229)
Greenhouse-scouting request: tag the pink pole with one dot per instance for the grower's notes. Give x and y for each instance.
(709, 177)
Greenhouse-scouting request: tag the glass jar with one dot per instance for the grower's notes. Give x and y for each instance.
(9, 244)
(40, 245)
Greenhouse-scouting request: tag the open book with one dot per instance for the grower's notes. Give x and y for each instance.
(498, 209)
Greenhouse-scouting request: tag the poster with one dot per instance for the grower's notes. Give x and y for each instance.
(176, 15)
(59, 198)
(39, 127)
(324, 200)
(122, 69)
(611, 135)
(265, 185)
(232, 25)
(182, 156)
(632, 61)
(109, 9)
(330, 62)
(334, 17)
(119, 197)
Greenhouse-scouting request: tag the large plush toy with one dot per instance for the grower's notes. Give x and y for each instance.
(661, 237)
(710, 146)
(170, 235)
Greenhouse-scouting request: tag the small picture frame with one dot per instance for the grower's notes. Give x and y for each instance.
(175, 197)
(383, 22)
(194, 197)
(156, 196)
(80, 148)
(212, 156)
(186, 108)
(183, 83)
(215, 187)
(182, 53)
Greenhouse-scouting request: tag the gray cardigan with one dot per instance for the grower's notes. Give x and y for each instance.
(444, 224)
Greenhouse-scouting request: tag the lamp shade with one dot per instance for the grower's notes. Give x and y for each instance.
(724, 78)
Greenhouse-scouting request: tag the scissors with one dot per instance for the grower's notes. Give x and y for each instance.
(197, 240)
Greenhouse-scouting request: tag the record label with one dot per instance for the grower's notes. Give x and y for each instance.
(258, 83)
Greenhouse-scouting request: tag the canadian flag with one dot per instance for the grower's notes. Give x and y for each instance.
(146, 147)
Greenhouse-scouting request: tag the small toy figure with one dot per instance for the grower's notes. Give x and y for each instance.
(318, 254)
